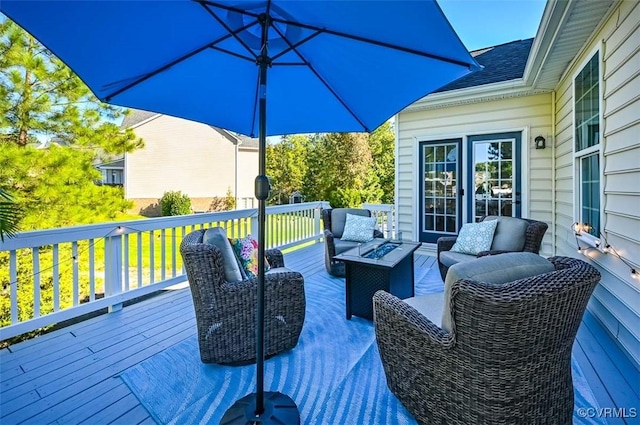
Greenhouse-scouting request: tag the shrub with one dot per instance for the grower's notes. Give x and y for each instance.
(226, 203)
(175, 203)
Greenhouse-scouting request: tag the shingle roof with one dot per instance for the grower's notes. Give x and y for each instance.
(114, 163)
(135, 117)
(503, 62)
(246, 141)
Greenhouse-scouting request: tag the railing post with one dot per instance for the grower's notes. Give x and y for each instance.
(113, 269)
(391, 232)
(316, 221)
(254, 224)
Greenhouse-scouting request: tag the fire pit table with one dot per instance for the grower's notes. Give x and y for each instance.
(379, 264)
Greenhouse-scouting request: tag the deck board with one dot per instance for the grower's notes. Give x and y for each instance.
(614, 378)
(75, 409)
(70, 376)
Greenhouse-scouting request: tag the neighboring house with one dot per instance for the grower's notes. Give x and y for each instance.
(470, 148)
(199, 160)
(112, 172)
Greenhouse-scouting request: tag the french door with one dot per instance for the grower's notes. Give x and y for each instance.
(439, 187)
(494, 175)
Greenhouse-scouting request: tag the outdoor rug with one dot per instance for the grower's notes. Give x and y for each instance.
(334, 374)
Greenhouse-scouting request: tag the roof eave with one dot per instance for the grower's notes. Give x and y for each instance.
(555, 15)
(143, 122)
(483, 93)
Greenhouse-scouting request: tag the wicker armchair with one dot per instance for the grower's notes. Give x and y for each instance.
(507, 358)
(334, 220)
(532, 240)
(225, 311)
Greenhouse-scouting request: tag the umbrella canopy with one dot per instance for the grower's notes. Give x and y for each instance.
(332, 66)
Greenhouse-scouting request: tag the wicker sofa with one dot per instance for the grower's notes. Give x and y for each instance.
(507, 357)
(334, 220)
(225, 311)
(511, 235)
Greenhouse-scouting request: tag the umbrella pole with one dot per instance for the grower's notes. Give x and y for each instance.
(260, 407)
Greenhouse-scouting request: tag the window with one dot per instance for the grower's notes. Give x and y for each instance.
(587, 144)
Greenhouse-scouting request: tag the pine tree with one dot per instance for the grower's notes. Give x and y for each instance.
(42, 99)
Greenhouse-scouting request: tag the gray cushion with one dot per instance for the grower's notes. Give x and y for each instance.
(217, 237)
(342, 246)
(496, 269)
(430, 306)
(339, 217)
(510, 233)
(449, 258)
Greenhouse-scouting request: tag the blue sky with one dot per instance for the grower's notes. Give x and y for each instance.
(485, 23)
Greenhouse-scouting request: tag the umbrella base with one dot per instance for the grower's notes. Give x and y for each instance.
(278, 409)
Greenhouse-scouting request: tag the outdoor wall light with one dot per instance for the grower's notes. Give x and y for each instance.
(540, 142)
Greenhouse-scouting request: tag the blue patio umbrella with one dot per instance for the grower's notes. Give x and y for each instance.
(332, 66)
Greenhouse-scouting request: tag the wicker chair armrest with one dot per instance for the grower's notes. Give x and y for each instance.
(392, 316)
(445, 243)
(377, 233)
(274, 257)
(328, 240)
(564, 262)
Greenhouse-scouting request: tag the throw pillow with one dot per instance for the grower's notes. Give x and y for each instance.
(475, 237)
(246, 249)
(358, 228)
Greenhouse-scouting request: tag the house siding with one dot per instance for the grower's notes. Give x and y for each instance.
(616, 300)
(187, 156)
(531, 114)
(247, 172)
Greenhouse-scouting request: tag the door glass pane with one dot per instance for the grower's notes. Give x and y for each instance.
(493, 165)
(439, 223)
(440, 188)
(451, 224)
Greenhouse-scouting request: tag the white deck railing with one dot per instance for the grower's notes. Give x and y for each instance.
(77, 270)
(385, 215)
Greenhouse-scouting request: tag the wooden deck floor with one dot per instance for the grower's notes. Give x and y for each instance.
(71, 376)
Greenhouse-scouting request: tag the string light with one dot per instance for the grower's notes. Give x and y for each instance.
(578, 228)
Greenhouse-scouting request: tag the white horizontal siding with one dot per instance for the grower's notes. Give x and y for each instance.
(529, 113)
(183, 155)
(247, 172)
(616, 301)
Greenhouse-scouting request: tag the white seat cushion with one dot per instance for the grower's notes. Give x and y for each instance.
(430, 306)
